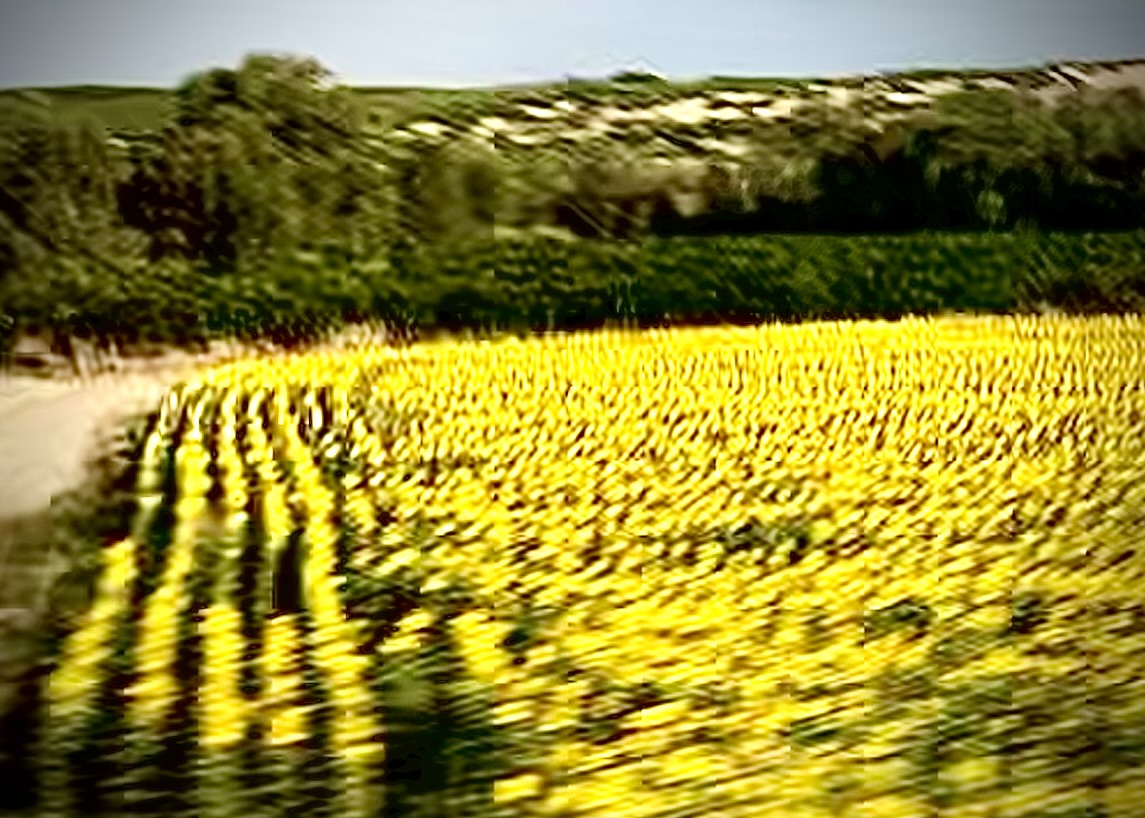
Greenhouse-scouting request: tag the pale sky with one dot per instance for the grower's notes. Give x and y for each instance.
(487, 42)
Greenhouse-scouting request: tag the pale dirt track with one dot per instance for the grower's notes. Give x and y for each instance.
(50, 427)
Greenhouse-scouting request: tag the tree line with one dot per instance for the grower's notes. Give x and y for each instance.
(258, 165)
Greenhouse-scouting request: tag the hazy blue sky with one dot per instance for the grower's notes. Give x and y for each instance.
(477, 42)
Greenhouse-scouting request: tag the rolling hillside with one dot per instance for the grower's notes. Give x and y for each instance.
(695, 116)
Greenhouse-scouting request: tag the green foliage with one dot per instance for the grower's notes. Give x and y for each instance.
(259, 159)
(271, 201)
(999, 126)
(642, 77)
(115, 109)
(62, 246)
(448, 191)
(542, 283)
(1107, 132)
(546, 283)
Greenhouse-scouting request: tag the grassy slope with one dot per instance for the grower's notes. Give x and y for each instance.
(143, 108)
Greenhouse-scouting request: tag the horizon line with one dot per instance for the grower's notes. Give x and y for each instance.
(524, 84)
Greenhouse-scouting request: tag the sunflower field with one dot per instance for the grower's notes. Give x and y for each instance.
(828, 569)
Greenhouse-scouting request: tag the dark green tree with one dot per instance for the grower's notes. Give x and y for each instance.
(62, 247)
(258, 160)
(448, 190)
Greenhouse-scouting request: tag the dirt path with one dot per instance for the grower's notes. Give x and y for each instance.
(49, 426)
(47, 431)
(51, 429)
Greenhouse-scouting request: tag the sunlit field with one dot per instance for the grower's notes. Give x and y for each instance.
(832, 569)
